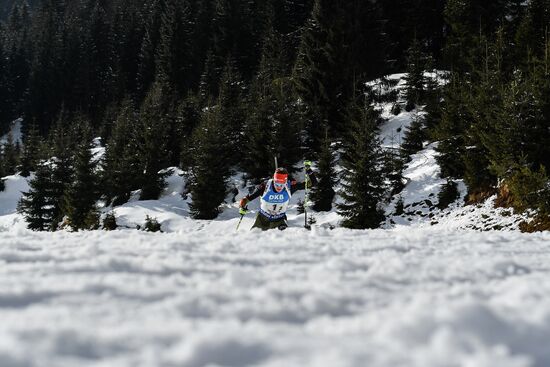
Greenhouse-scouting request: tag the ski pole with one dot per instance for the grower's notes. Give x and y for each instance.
(306, 197)
(243, 212)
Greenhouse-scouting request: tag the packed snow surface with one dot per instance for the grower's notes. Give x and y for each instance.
(415, 297)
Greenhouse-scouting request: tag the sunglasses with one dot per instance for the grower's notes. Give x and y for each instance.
(277, 184)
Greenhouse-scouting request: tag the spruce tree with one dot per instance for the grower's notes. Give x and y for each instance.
(2, 174)
(31, 147)
(65, 137)
(450, 133)
(122, 169)
(323, 193)
(6, 103)
(414, 138)
(230, 103)
(153, 142)
(173, 58)
(259, 153)
(210, 171)
(533, 31)
(188, 115)
(342, 45)
(47, 73)
(38, 205)
(10, 155)
(81, 195)
(274, 123)
(362, 177)
(147, 71)
(96, 63)
(416, 65)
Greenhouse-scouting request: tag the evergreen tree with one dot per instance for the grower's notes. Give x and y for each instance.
(259, 152)
(485, 105)
(342, 45)
(153, 142)
(414, 138)
(188, 116)
(416, 65)
(31, 147)
(10, 156)
(16, 61)
(97, 63)
(466, 21)
(534, 30)
(47, 75)
(6, 103)
(323, 193)
(38, 205)
(146, 59)
(65, 137)
(122, 169)
(230, 103)
(80, 197)
(173, 59)
(451, 131)
(410, 20)
(274, 123)
(2, 174)
(433, 104)
(362, 177)
(210, 171)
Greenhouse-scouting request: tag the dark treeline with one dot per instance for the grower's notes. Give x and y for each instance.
(219, 86)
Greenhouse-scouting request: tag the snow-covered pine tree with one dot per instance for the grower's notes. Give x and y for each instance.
(323, 193)
(210, 171)
(79, 204)
(38, 205)
(362, 177)
(64, 139)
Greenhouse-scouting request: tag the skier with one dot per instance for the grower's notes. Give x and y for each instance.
(274, 196)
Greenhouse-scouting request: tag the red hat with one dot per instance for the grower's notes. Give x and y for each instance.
(280, 176)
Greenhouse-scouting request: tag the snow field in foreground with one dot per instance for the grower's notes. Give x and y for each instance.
(414, 297)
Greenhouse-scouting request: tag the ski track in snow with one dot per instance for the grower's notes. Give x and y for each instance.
(415, 297)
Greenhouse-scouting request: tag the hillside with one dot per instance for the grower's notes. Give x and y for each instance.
(428, 290)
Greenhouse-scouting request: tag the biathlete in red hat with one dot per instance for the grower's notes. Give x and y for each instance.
(275, 195)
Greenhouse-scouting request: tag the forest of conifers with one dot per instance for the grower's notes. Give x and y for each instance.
(217, 87)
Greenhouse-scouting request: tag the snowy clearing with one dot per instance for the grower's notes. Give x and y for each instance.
(423, 292)
(295, 298)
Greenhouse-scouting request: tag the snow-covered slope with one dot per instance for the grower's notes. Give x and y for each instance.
(428, 290)
(402, 297)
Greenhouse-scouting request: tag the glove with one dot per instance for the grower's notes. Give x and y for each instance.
(242, 206)
(307, 164)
